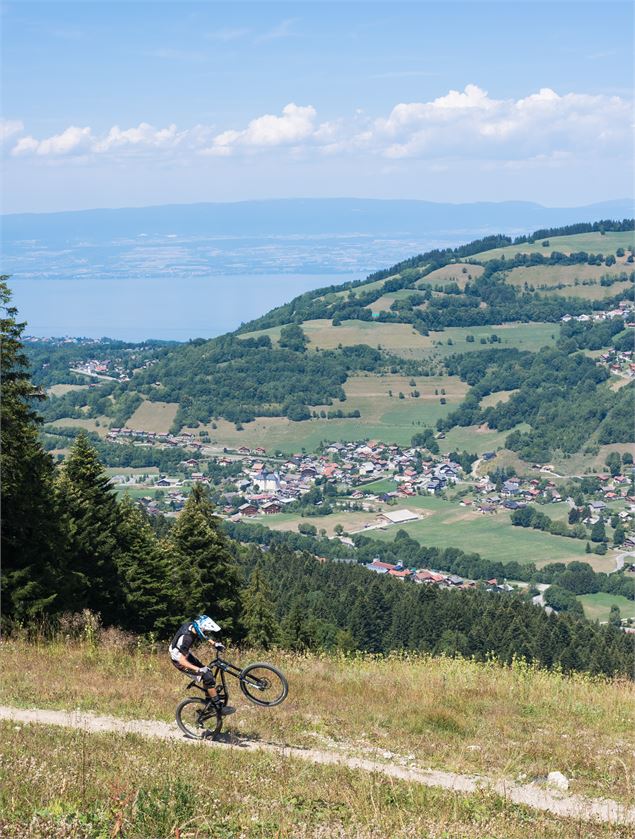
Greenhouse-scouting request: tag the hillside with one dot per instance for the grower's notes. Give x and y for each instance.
(415, 713)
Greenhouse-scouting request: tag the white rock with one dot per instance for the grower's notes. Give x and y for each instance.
(558, 780)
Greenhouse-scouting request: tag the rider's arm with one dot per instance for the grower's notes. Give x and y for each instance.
(195, 668)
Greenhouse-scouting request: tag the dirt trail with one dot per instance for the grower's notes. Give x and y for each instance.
(531, 795)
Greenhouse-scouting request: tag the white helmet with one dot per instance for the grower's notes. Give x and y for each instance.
(204, 624)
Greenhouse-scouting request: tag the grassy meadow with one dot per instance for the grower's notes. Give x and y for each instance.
(513, 722)
(106, 785)
(153, 416)
(590, 242)
(598, 606)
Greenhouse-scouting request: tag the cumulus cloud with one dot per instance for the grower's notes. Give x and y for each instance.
(542, 127)
(296, 125)
(73, 140)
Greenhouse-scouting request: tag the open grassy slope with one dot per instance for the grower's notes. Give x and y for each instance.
(590, 242)
(442, 713)
(106, 785)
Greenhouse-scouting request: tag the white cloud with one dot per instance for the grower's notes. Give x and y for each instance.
(73, 140)
(9, 128)
(542, 127)
(296, 124)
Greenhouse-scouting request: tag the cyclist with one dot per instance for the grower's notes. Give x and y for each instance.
(185, 661)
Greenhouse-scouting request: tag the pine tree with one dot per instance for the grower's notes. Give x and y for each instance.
(146, 575)
(206, 570)
(32, 541)
(259, 618)
(598, 531)
(91, 520)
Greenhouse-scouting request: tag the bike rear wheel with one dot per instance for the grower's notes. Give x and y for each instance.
(264, 684)
(198, 719)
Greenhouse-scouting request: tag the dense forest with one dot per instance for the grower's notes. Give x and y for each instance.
(561, 393)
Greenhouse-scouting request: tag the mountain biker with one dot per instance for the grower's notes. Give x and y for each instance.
(185, 661)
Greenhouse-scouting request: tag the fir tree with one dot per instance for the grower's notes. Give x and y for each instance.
(146, 575)
(598, 531)
(207, 576)
(32, 541)
(259, 618)
(91, 520)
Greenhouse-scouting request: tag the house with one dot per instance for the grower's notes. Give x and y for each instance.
(248, 509)
(381, 567)
(271, 507)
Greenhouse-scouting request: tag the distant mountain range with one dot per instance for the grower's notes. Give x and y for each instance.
(305, 216)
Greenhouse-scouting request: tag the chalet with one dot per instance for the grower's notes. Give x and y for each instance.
(243, 450)
(271, 507)
(435, 485)
(248, 509)
(428, 577)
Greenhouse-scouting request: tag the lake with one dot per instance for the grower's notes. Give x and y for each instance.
(136, 309)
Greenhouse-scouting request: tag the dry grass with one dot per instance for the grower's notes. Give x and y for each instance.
(153, 416)
(499, 396)
(449, 714)
(60, 784)
(60, 390)
(452, 274)
(86, 424)
(551, 275)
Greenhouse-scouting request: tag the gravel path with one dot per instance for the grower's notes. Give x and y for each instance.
(531, 795)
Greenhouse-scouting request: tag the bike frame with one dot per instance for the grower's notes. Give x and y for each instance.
(219, 666)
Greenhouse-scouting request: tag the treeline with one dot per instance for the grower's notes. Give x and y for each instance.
(577, 577)
(603, 226)
(118, 454)
(324, 605)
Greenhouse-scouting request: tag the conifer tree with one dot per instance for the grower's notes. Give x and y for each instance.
(146, 575)
(91, 521)
(32, 542)
(207, 577)
(296, 629)
(259, 618)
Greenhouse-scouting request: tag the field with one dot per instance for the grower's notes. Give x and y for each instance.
(402, 340)
(86, 424)
(153, 416)
(383, 417)
(551, 275)
(598, 606)
(583, 463)
(446, 524)
(60, 390)
(590, 242)
(498, 396)
(592, 292)
(443, 713)
(452, 274)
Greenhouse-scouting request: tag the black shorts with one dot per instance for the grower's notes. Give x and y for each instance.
(208, 678)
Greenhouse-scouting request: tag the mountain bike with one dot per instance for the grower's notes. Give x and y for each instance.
(262, 683)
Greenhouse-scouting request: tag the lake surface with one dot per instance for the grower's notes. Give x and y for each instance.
(136, 309)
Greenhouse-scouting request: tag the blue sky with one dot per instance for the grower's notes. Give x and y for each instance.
(124, 103)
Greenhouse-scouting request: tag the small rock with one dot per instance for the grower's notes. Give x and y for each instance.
(558, 781)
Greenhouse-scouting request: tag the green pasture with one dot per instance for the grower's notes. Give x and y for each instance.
(492, 535)
(401, 339)
(590, 242)
(598, 606)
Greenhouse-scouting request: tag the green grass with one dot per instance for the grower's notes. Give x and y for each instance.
(493, 536)
(401, 339)
(590, 242)
(598, 606)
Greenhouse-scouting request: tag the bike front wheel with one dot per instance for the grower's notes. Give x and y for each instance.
(263, 684)
(198, 719)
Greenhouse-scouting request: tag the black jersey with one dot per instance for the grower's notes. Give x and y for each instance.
(182, 642)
